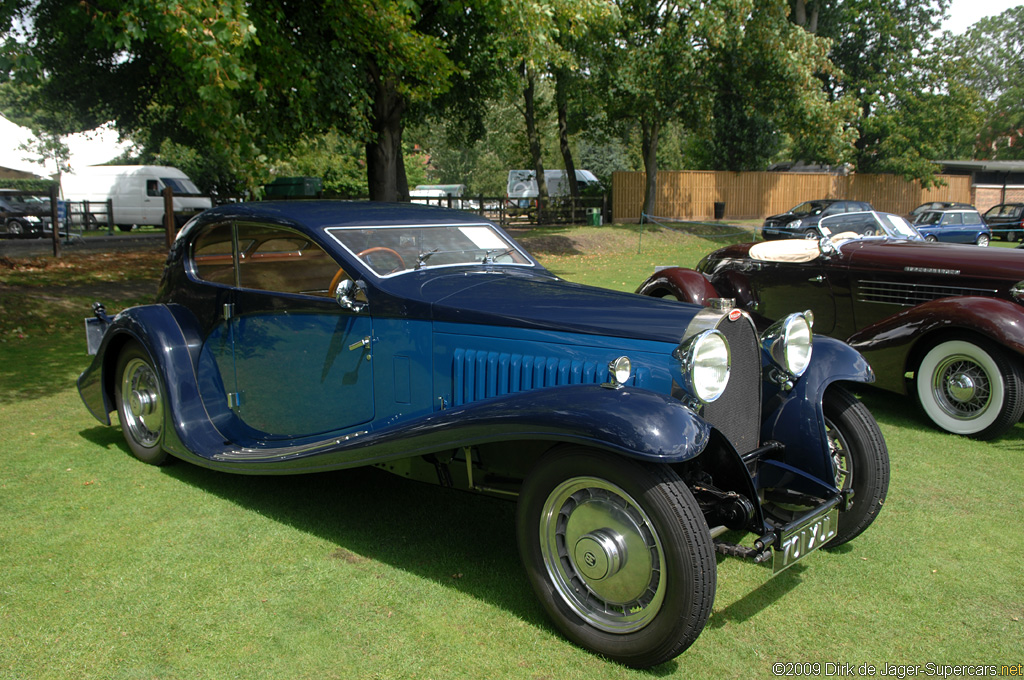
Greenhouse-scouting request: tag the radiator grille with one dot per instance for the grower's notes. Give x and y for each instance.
(737, 413)
(480, 374)
(910, 294)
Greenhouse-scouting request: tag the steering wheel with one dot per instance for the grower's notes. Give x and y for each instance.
(383, 249)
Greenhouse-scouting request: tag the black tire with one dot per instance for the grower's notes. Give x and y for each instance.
(141, 398)
(810, 234)
(968, 385)
(983, 240)
(638, 581)
(933, 239)
(14, 229)
(860, 459)
(1011, 236)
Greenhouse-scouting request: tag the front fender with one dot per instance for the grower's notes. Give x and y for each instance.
(795, 417)
(889, 344)
(687, 285)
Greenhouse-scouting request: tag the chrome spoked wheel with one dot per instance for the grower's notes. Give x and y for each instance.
(839, 450)
(962, 388)
(144, 409)
(970, 386)
(603, 554)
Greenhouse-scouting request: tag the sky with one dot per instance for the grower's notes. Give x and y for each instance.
(101, 145)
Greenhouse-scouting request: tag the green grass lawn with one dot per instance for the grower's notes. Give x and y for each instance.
(110, 568)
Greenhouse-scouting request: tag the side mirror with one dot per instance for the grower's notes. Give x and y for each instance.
(826, 247)
(351, 295)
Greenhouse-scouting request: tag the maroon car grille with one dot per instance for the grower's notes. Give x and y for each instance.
(737, 413)
(910, 294)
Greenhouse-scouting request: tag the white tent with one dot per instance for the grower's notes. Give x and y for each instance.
(87, 148)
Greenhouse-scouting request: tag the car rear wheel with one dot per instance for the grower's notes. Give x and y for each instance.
(860, 461)
(931, 238)
(618, 553)
(970, 386)
(1011, 236)
(14, 228)
(140, 399)
(983, 240)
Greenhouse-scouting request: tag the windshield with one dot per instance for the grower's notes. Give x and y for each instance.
(867, 224)
(181, 187)
(399, 249)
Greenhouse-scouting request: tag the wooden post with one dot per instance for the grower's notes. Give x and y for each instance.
(54, 226)
(169, 229)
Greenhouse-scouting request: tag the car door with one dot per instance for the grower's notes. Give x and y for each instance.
(288, 359)
(781, 288)
(952, 228)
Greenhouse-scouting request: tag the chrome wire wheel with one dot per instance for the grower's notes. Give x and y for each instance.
(603, 554)
(839, 451)
(961, 387)
(143, 412)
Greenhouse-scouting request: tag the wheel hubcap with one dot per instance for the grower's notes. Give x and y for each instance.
(961, 387)
(603, 554)
(143, 413)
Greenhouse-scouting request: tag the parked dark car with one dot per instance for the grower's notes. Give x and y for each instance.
(802, 220)
(1006, 220)
(938, 205)
(633, 433)
(953, 226)
(937, 321)
(23, 216)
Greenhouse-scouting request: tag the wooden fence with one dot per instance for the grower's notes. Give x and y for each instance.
(755, 195)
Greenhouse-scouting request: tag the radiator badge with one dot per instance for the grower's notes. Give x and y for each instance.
(735, 315)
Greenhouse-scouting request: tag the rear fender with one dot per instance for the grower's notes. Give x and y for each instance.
(170, 335)
(796, 418)
(891, 344)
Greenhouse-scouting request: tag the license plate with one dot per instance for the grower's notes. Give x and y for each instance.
(804, 539)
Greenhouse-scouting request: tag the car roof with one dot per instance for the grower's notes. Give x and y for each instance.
(321, 214)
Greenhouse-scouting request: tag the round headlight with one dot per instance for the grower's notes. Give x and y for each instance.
(705, 363)
(620, 369)
(788, 343)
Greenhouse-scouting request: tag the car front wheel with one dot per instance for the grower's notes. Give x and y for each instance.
(618, 553)
(860, 460)
(139, 395)
(970, 386)
(810, 234)
(933, 239)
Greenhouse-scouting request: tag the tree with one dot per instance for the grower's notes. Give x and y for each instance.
(992, 56)
(888, 66)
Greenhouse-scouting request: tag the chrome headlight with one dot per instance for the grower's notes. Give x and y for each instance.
(795, 224)
(1017, 291)
(705, 364)
(788, 343)
(620, 370)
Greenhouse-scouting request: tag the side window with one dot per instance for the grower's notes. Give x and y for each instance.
(212, 255)
(152, 187)
(952, 219)
(284, 261)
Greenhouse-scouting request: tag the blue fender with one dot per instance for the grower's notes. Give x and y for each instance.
(795, 417)
(631, 422)
(170, 335)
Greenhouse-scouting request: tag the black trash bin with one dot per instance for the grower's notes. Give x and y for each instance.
(719, 210)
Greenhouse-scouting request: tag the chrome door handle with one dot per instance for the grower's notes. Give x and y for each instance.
(365, 342)
(817, 279)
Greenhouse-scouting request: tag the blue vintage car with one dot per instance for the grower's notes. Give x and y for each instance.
(637, 436)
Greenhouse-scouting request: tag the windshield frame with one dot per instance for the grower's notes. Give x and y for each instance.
(422, 260)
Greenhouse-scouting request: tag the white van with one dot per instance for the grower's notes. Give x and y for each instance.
(522, 184)
(136, 192)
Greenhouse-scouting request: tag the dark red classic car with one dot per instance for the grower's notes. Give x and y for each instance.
(941, 322)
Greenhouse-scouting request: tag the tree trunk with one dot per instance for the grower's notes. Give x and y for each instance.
(533, 140)
(384, 150)
(649, 146)
(800, 16)
(562, 100)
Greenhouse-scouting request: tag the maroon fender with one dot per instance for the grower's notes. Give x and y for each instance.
(685, 285)
(889, 345)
